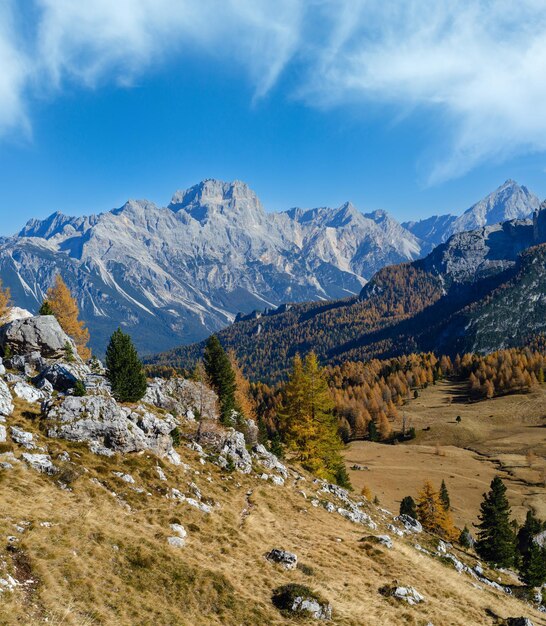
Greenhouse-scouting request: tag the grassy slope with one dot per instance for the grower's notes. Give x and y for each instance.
(105, 559)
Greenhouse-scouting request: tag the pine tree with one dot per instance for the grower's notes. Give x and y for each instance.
(444, 496)
(5, 299)
(495, 542)
(407, 507)
(222, 378)
(531, 527)
(124, 369)
(45, 309)
(533, 570)
(372, 431)
(65, 308)
(465, 538)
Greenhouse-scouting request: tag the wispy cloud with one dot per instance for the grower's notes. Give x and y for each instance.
(477, 65)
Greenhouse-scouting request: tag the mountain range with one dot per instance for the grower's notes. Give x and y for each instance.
(480, 291)
(172, 275)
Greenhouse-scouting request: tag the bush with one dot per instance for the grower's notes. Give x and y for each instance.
(79, 388)
(175, 436)
(283, 597)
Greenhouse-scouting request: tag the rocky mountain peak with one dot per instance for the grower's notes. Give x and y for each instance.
(214, 197)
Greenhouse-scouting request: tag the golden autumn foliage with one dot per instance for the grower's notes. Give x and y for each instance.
(244, 399)
(433, 515)
(65, 309)
(5, 299)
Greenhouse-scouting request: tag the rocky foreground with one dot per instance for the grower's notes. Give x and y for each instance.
(141, 514)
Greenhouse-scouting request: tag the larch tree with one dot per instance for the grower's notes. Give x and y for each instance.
(124, 369)
(244, 401)
(222, 378)
(5, 299)
(308, 423)
(64, 307)
(496, 539)
(432, 514)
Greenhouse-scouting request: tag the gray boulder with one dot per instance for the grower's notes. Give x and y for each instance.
(409, 523)
(6, 401)
(40, 462)
(268, 460)
(28, 393)
(233, 452)
(41, 333)
(61, 376)
(383, 540)
(288, 560)
(182, 397)
(518, 621)
(105, 425)
(22, 437)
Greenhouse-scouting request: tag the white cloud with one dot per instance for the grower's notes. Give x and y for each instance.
(479, 66)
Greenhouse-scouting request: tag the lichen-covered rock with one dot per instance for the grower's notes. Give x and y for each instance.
(406, 594)
(300, 601)
(409, 523)
(286, 559)
(62, 376)
(233, 452)
(383, 540)
(22, 437)
(28, 393)
(182, 397)
(268, 460)
(40, 462)
(104, 424)
(6, 401)
(41, 333)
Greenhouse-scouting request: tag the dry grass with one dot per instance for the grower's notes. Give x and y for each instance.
(105, 560)
(505, 436)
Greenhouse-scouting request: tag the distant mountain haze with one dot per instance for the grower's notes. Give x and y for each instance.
(172, 275)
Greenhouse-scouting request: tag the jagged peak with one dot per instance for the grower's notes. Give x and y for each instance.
(47, 227)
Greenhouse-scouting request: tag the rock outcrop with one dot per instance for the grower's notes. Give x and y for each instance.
(182, 397)
(41, 333)
(107, 426)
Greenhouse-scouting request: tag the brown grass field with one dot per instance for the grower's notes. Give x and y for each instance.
(505, 436)
(104, 559)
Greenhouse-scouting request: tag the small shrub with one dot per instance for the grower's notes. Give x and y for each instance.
(305, 569)
(68, 352)
(283, 597)
(176, 436)
(79, 388)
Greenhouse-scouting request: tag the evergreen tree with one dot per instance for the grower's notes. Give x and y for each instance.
(373, 434)
(45, 309)
(533, 570)
(465, 538)
(444, 496)
(222, 378)
(65, 309)
(308, 423)
(495, 542)
(407, 507)
(124, 369)
(530, 528)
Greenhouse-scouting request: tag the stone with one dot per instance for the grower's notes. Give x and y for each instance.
(268, 460)
(22, 437)
(28, 393)
(176, 542)
(41, 333)
(6, 401)
(383, 540)
(14, 313)
(108, 427)
(540, 539)
(286, 559)
(277, 480)
(518, 621)
(204, 508)
(2, 367)
(160, 473)
(233, 450)
(312, 607)
(409, 523)
(40, 462)
(406, 594)
(126, 478)
(301, 602)
(183, 397)
(62, 376)
(3, 433)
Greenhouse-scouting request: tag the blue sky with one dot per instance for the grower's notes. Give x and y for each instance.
(412, 109)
